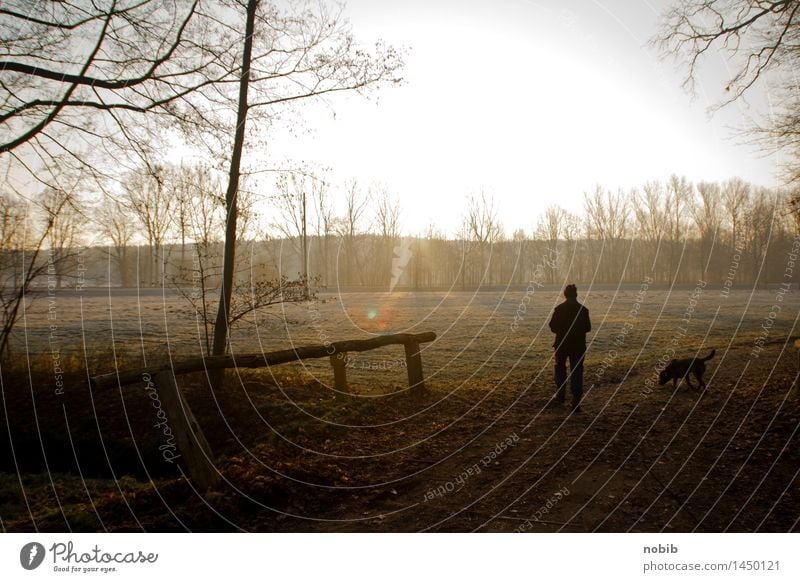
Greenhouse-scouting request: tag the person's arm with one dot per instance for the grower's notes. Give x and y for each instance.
(587, 323)
(554, 321)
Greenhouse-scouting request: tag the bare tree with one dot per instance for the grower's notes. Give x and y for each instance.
(759, 222)
(15, 239)
(650, 208)
(520, 263)
(288, 57)
(760, 41)
(481, 228)
(46, 52)
(607, 215)
(73, 73)
(735, 195)
(705, 211)
(23, 246)
(64, 220)
(292, 201)
(183, 185)
(197, 218)
(350, 228)
(387, 214)
(427, 256)
(207, 217)
(150, 201)
(551, 229)
(387, 218)
(757, 36)
(324, 223)
(679, 192)
(793, 204)
(115, 223)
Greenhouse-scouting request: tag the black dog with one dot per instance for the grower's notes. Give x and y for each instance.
(680, 370)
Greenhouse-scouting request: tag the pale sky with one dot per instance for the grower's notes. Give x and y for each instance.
(532, 102)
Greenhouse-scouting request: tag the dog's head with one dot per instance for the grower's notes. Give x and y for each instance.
(666, 374)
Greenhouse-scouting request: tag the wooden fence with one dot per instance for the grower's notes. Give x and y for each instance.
(795, 391)
(189, 436)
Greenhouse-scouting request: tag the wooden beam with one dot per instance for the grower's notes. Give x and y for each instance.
(339, 363)
(191, 441)
(416, 380)
(263, 360)
(795, 391)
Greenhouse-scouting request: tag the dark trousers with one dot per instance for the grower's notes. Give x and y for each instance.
(575, 373)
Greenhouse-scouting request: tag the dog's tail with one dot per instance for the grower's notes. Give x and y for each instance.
(709, 356)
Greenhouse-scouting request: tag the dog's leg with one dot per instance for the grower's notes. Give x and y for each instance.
(699, 372)
(699, 376)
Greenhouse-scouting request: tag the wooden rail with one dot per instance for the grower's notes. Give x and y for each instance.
(188, 434)
(795, 391)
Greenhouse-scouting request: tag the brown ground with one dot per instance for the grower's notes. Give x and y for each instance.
(297, 456)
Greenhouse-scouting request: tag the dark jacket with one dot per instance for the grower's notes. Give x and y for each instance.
(570, 323)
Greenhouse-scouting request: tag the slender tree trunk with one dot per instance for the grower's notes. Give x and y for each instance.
(229, 254)
(325, 278)
(306, 293)
(123, 268)
(417, 260)
(463, 268)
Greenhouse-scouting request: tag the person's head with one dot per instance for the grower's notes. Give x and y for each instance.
(571, 292)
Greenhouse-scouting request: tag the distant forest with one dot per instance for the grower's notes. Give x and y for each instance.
(168, 230)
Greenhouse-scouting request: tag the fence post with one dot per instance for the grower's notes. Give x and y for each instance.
(190, 439)
(795, 391)
(339, 363)
(416, 380)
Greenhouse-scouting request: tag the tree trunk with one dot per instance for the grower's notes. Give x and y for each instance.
(306, 293)
(123, 268)
(220, 344)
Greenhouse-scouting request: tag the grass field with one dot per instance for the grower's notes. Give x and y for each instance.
(498, 335)
(295, 455)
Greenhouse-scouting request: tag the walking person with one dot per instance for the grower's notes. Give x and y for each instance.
(570, 322)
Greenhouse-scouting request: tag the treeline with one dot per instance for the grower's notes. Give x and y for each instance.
(166, 228)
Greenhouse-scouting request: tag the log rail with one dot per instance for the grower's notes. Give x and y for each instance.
(188, 434)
